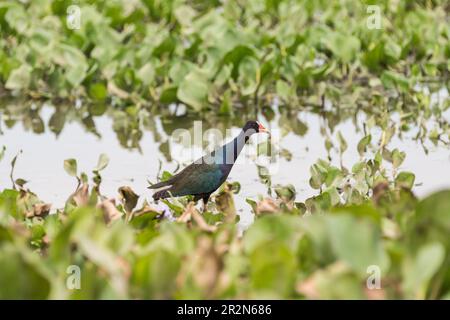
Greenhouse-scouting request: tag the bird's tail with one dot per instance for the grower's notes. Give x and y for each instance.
(162, 194)
(160, 184)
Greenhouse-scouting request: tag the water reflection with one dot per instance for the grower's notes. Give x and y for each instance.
(137, 140)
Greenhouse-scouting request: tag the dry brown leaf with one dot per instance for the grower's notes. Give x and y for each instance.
(308, 288)
(19, 229)
(129, 198)
(39, 210)
(204, 267)
(81, 196)
(225, 203)
(202, 224)
(146, 208)
(267, 205)
(379, 190)
(191, 213)
(110, 212)
(187, 213)
(207, 266)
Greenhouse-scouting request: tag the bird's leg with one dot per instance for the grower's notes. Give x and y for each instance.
(196, 198)
(205, 201)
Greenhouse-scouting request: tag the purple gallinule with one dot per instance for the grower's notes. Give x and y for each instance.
(207, 174)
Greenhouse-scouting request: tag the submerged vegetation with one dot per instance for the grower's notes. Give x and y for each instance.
(224, 62)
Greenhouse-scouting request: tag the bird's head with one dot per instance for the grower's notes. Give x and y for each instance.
(254, 127)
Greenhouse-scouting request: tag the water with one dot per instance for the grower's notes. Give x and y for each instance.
(41, 162)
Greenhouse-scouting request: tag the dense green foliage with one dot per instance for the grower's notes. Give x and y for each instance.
(208, 54)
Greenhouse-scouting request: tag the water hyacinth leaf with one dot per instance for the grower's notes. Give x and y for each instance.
(287, 193)
(391, 79)
(283, 90)
(421, 269)
(169, 94)
(268, 228)
(363, 143)
(146, 74)
(333, 282)
(17, 18)
(110, 212)
(234, 187)
(286, 154)
(272, 269)
(357, 242)
(405, 180)
(387, 136)
(57, 121)
(129, 197)
(2, 152)
(19, 78)
(193, 90)
(235, 56)
(155, 273)
(226, 107)
(398, 157)
(185, 15)
(179, 70)
(102, 163)
(249, 75)
(166, 175)
(344, 47)
(342, 143)
(98, 91)
(434, 210)
(20, 182)
(70, 165)
(73, 61)
(253, 204)
(32, 284)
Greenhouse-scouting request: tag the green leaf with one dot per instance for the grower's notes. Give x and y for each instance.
(2, 153)
(146, 74)
(391, 79)
(405, 180)
(357, 242)
(19, 78)
(342, 143)
(287, 193)
(193, 90)
(70, 165)
(397, 158)
(249, 74)
(169, 95)
(103, 161)
(363, 143)
(434, 210)
(422, 268)
(268, 228)
(17, 18)
(32, 283)
(73, 61)
(283, 89)
(343, 46)
(98, 91)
